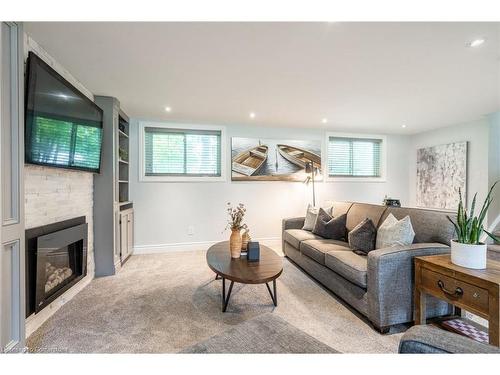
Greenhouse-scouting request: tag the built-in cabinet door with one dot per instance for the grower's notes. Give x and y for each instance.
(117, 241)
(126, 233)
(123, 236)
(12, 272)
(130, 232)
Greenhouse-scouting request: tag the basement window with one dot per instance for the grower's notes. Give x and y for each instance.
(179, 153)
(356, 157)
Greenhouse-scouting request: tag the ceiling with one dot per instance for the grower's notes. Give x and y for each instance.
(360, 76)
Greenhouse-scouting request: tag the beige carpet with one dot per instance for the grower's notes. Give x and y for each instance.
(167, 302)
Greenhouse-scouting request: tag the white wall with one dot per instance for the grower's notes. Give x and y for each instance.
(494, 167)
(163, 211)
(476, 133)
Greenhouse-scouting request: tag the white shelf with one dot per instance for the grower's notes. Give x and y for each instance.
(123, 161)
(122, 133)
(123, 181)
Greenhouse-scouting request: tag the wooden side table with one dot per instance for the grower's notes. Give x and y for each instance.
(477, 291)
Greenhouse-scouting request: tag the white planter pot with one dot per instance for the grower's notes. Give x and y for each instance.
(469, 256)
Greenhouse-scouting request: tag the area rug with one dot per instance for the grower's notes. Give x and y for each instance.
(165, 303)
(264, 334)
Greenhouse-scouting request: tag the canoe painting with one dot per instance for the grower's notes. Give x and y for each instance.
(298, 156)
(257, 159)
(250, 161)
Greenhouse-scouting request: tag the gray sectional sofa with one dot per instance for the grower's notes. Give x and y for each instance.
(379, 285)
(426, 339)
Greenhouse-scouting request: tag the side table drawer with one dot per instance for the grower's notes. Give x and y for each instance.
(453, 290)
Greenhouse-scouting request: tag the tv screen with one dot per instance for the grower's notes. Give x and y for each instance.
(63, 126)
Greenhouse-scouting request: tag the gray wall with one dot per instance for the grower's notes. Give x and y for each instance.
(163, 211)
(494, 165)
(476, 133)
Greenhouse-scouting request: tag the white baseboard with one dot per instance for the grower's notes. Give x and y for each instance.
(273, 243)
(34, 321)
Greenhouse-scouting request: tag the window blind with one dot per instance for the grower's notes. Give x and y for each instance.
(354, 157)
(182, 152)
(65, 143)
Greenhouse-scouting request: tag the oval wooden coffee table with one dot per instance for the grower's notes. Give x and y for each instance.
(240, 270)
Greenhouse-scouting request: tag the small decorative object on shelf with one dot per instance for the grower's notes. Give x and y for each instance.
(467, 250)
(391, 202)
(121, 126)
(123, 154)
(235, 223)
(253, 249)
(245, 239)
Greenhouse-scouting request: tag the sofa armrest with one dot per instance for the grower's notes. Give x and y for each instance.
(428, 339)
(293, 223)
(390, 283)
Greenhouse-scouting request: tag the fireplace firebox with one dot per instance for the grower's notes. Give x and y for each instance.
(56, 260)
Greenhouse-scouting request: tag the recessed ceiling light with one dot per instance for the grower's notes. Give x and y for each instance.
(252, 115)
(168, 109)
(324, 121)
(403, 126)
(476, 42)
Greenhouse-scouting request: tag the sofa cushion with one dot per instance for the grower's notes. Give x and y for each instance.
(394, 232)
(429, 225)
(340, 208)
(360, 211)
(316, 249)
(349, 265)
(362, 237)
(330, 227)
(295, 236)
(312, 215)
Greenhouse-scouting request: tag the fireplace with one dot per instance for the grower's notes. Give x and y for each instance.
(56, 260)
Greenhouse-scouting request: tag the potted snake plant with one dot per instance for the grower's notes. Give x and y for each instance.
(467, 250)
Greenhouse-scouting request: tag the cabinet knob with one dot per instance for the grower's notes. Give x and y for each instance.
(475, 295)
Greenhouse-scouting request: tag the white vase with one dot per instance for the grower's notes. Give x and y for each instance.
(469, 256)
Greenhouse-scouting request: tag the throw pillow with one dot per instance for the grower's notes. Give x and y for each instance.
(394, 232)
(362, 237)
(311, 216)
(330, 227)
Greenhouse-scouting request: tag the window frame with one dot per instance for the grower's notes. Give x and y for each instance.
(383, 158)
(182, 178)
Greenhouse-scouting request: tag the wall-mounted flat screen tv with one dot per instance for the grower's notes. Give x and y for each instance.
(63, 127)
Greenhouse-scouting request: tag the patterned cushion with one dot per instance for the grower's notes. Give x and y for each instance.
(394, 232)
(311, 216)
(328, 227)
(362, 237)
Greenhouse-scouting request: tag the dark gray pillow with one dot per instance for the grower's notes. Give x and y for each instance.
(330, 227)
(362, 237)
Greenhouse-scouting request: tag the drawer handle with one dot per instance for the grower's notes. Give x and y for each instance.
(457, 293)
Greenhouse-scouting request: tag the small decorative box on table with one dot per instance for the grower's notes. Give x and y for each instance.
(477, 291)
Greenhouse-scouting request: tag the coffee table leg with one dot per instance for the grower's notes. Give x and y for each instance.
(275, 293)
(223, 292)
(274, 296)
(217, 277)
(225, 299)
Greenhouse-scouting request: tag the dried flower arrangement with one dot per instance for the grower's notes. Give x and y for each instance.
(235, 221)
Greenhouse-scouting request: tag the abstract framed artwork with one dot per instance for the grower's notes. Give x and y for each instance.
(254, 159)
(441, 173)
